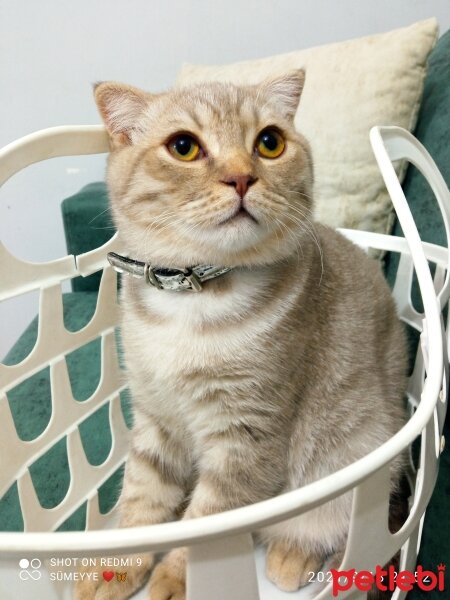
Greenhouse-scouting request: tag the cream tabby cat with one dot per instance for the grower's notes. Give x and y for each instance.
(278, 372)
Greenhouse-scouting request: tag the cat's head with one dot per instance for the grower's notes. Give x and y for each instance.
(213, 173)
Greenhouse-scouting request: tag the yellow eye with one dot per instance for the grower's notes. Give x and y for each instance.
(270, 143)
(184, 147)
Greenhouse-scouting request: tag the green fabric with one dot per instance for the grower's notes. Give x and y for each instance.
(87, 225)
(30, 404)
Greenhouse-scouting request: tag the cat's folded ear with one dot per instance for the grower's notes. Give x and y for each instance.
(286, 91)
(120, 107)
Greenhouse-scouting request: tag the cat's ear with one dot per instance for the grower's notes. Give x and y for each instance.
(120, 107)
(286, 91)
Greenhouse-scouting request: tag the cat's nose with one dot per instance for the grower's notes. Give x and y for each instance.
(240, 182)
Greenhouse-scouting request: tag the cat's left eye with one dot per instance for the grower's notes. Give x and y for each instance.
(185, 147)
(270, 143)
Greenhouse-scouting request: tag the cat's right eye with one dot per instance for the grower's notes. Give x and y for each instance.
(270, 143)
(185, 147)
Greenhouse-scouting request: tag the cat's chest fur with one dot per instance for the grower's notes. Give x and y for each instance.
(194, 346)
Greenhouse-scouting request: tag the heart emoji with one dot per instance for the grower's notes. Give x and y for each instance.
(108, 575)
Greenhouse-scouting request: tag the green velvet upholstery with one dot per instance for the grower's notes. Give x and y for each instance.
(433, 131)
(87, 225)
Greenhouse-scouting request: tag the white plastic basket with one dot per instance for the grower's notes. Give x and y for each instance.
(221, 553)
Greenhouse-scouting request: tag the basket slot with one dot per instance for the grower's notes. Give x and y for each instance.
(53, 338)
(441, 409)
(226, 566)
(119, 430)
(417, 377)
(94, 518)
(84, 477)
(66, 411)
(402, 293)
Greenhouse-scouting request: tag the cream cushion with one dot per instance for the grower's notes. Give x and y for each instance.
(350, 86)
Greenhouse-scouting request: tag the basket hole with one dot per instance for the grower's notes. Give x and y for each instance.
(79, 308)
(95, 433)
(416, 450)
(83, 365)
(390, 267)
(19, 318)
(109, 491)
(125, 403)
(76, 521)
(31, 405)
(10, 512)
(37, 192)
(51, 475)
(424, 208)
(416, 296)
(412, 342)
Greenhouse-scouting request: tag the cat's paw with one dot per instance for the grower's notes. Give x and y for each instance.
(166, 583)
(288, 567)
(102, 583)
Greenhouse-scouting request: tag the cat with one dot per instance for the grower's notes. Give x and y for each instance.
(277, 372)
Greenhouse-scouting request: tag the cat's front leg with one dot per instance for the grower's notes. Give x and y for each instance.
(235, 470)
(153, 492)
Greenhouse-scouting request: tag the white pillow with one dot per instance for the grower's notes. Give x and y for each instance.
(350, 86)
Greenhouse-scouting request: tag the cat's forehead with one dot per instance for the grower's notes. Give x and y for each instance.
(223, 108)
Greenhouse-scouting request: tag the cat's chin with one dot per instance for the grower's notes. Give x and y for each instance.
(234, 234)
(239, 242)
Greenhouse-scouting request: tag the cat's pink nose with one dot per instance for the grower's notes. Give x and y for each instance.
(240, 182)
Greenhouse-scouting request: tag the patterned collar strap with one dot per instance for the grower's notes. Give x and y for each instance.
(176, 280)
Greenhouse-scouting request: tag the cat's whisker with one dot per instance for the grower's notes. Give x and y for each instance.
(310, 231)
(99, 214)
(296, 241)
(164, 219)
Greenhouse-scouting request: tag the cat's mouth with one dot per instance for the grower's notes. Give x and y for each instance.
(238, 215)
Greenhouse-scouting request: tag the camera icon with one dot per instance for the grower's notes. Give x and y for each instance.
(29, 569)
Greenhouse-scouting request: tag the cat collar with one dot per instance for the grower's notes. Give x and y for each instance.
(176, 280)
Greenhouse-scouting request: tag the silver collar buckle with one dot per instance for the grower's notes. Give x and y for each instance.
(150, 277)
(196, 284)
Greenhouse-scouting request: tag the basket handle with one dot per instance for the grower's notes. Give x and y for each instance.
(67, 140)
(395, 143)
